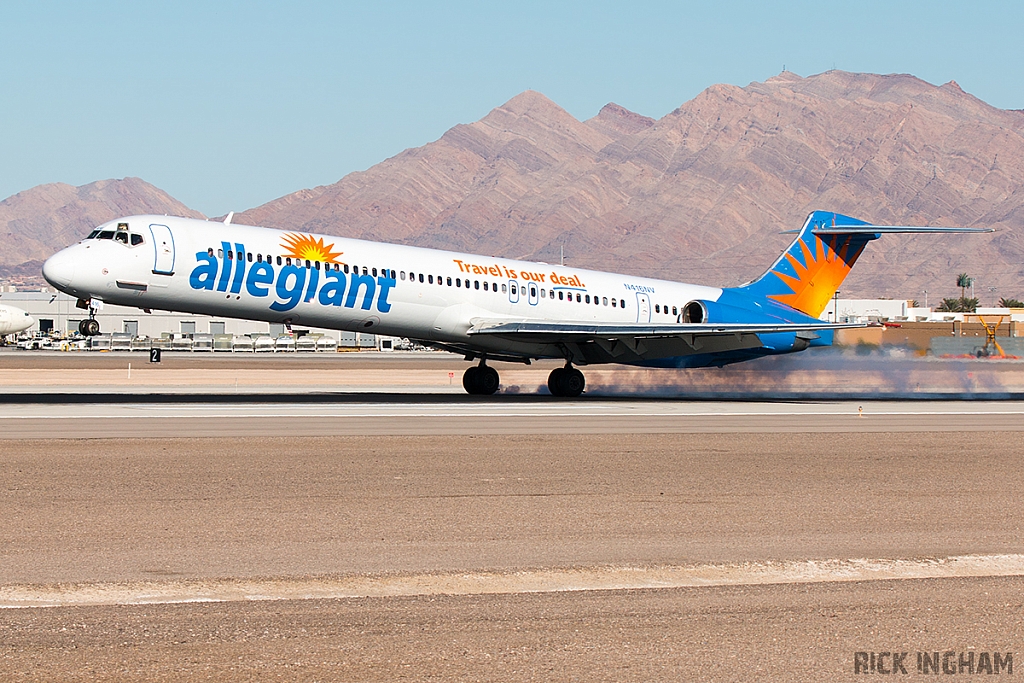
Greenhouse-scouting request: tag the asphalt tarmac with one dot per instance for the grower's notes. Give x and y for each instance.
(380, 537)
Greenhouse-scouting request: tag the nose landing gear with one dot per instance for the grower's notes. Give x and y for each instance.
(480, 380)
(89, 328)
(567, 382)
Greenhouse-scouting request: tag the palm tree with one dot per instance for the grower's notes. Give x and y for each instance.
(1010, 303)
(963, 281)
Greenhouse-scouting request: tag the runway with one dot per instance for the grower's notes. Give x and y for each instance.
(382, 415)
(375, 536)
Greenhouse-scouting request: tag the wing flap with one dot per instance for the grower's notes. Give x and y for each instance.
(566, 331)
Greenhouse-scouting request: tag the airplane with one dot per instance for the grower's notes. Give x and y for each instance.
(485, 308)
(14, 320)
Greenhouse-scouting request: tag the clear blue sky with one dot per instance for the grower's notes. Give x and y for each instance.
(226, 105)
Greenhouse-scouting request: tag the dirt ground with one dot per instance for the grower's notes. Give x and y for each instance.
(77, 512)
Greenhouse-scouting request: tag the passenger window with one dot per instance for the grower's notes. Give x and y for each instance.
(375, 272)
(278, 260)
(288, 260)
(209, 252)
(248, 256)
(366, 270)
(220, 253)
(476, 284)
(514, 291)
(622, 303)
(430, 279)
(402, 274)
(504, 288)
(346, 269)
(560, 296)
(231, 256)
(588, 298)
(543, 293)
(579, 298)
(604, 301)
(657, 308)
(674, 312)
(421, 278)
(613, 302)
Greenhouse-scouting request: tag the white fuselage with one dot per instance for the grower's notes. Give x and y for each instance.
(14, 320)
(180, 264)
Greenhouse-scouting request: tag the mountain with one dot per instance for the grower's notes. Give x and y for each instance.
(37, 222)
(703, 193)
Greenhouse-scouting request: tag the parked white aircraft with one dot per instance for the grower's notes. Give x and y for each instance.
(14, 320)
(485, 308)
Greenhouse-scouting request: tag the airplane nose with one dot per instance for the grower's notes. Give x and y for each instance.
(59, 269)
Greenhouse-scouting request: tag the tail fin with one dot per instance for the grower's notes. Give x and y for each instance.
(810, 271)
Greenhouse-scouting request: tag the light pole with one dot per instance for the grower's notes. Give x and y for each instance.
(835, 307)
(926, 298)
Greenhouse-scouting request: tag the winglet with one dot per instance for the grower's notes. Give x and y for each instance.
(227, 219)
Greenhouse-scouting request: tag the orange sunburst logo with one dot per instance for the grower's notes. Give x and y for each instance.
(307, 248)
(820, 274)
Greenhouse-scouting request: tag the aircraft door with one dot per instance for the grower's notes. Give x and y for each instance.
(534, 297)
(163, 249)
(513, 291)
(643, 308)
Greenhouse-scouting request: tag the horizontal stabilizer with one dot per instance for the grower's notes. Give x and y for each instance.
(885, 229)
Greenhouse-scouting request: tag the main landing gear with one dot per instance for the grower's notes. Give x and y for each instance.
(480, 380)
(567, 382)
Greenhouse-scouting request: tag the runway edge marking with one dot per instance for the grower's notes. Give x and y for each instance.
(22, 596)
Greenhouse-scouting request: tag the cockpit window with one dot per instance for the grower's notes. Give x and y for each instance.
(106, 235)
(92, 235)
(136, 240)
(121, 237)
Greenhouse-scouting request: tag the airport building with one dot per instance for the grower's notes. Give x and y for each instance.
(58, 315)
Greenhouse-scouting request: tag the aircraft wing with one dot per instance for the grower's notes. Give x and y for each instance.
(568, 331)
(634, 342)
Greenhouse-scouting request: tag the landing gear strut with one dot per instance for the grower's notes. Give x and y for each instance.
(567, 382)
(480, 380)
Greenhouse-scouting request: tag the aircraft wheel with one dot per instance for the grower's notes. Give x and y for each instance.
(89, 328)
(487, 380)
(469, 382)
(573, 382)
(555, 382)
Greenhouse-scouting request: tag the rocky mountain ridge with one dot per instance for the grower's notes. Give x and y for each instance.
(701, 194)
